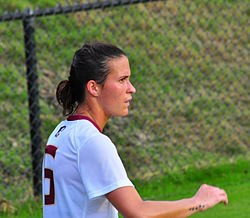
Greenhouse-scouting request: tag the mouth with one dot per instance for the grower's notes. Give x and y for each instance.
(128, 101)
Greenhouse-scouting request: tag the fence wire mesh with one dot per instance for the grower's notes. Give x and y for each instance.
(190, 66)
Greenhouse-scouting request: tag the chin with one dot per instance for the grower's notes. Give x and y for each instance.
(124, 113)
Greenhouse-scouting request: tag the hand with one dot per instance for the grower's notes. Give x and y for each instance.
(208, 196)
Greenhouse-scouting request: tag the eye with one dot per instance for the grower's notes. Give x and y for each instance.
(123, 79)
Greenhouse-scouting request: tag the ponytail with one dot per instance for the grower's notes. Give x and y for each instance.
(64, 96)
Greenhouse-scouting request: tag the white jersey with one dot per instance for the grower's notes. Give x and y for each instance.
(80, 166)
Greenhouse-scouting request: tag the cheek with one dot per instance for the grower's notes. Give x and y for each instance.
(112, 94)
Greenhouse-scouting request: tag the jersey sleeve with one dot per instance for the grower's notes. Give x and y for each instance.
(100, 167)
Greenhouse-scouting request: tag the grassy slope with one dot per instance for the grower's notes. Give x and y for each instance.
(199, 76)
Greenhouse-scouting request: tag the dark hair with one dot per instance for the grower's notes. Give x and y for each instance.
(89, 63)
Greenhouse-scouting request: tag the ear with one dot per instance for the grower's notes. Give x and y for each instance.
(93, 88)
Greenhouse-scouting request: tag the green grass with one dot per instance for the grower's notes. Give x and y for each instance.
(235, 180)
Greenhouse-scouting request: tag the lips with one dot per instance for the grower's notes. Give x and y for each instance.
(127, 102)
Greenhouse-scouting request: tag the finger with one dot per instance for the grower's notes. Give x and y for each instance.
(223, 199)
(226, 199)
(226, 202)
(223, 196)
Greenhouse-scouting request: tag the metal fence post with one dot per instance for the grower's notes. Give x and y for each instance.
(33, 93)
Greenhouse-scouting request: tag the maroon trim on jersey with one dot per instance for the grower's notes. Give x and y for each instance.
(50, 149)
(80, 117)
(50, 198)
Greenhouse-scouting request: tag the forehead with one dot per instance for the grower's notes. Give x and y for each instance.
(119, 66)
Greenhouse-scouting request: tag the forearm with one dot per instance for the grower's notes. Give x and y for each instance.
(129, 203)
(160, 209)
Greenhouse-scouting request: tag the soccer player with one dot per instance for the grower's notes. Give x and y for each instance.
(83, 175)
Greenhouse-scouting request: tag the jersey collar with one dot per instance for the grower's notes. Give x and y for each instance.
(79, 117)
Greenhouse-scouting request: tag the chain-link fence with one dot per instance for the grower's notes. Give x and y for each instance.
(189, 63)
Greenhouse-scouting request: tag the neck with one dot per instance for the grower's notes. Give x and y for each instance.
(96, 115)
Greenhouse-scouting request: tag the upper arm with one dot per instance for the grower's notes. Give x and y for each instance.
(126, 200)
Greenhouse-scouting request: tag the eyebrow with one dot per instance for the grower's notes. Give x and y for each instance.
(124, 76)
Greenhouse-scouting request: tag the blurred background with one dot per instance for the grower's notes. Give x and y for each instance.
(189, 63)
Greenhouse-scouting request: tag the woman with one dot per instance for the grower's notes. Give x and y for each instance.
(83, 175)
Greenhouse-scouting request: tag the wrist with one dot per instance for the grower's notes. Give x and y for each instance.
(196, 205)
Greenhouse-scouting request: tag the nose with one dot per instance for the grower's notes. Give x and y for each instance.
(131, 88)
